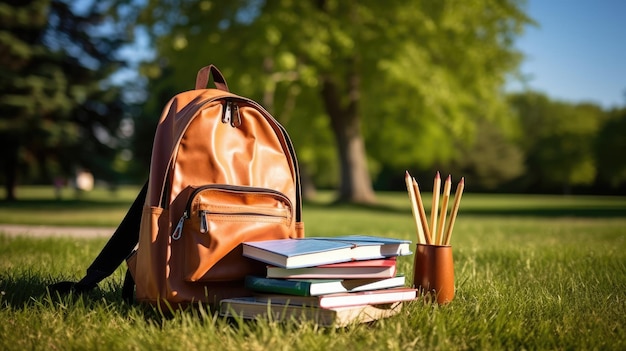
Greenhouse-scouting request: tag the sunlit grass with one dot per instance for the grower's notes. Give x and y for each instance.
(536, 272)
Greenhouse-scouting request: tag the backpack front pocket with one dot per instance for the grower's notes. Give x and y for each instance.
(206, 242)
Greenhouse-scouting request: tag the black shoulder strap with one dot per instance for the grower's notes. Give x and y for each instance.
(120, 245)
(128, 288)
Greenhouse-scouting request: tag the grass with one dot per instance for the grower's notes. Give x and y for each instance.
(38, 205)
(532, 272)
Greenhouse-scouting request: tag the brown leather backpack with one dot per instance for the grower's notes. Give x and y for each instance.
(223, 171)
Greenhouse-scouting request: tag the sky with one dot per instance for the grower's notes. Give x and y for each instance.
(577, 53)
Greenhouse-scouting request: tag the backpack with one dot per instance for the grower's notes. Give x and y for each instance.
(223, 171)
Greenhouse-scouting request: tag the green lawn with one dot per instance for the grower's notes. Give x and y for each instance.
(532, 272)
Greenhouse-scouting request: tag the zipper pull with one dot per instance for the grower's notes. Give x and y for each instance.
(204, 226)
(236, 117)
(226, 113)
(178, 231)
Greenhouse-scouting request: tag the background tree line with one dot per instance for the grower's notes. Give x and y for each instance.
(366, 89)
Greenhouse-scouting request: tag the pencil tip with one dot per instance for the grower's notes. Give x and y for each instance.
(449, 177)
(437, 174)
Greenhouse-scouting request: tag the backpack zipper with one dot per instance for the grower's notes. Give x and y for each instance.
(230, 113)
(204, 224)
(178, 231)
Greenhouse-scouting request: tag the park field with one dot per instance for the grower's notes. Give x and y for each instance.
(532, 272)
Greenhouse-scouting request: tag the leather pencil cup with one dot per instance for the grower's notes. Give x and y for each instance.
(433, 272)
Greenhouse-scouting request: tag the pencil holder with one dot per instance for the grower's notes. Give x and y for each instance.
(433, 272)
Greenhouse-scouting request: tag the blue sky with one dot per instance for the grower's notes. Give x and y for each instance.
(578, 51)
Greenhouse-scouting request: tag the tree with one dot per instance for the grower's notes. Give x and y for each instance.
(558, 141)
(492, 160)
(609, 144)
(408, 78)
(57, 109)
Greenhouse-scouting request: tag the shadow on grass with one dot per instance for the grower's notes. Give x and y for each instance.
(23, 291)
(597, 211)
(68, 204)
(601, 210)
(20, 291)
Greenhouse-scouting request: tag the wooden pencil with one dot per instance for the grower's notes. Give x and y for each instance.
(455, 210)
(422, 212)
(444, 209)
(435, 207)
(414, 208)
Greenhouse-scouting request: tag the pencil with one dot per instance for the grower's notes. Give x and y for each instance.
(422, 212)
(455, 209)
(414, 209)
(444, 209)
(435, 206)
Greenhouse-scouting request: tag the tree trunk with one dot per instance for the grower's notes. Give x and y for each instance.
(355, 182)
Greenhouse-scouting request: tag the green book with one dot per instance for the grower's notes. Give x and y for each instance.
(316, 287)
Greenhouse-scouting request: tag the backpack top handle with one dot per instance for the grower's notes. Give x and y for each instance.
(202, 79)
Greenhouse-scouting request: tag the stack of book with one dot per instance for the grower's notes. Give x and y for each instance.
(333, 281)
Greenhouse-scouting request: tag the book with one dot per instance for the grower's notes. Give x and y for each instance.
(315, 251)
(378, 268)
(253, 308)
(370, 297)
(390, 246)
(315, 287)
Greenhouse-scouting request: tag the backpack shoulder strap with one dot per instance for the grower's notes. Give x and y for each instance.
(119, 246)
